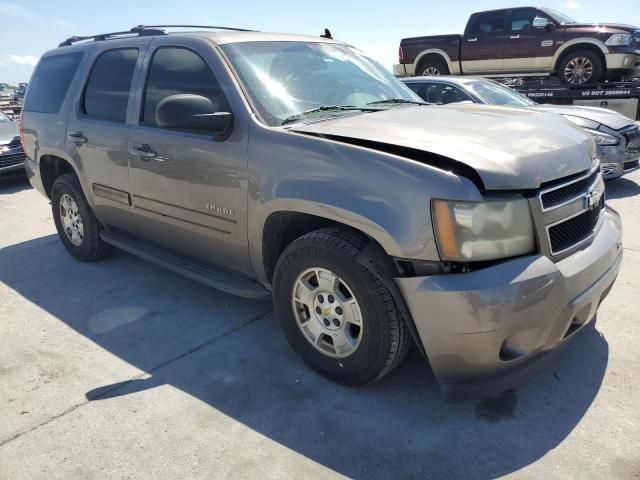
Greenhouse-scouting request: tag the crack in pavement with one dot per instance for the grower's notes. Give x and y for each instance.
(124, 384)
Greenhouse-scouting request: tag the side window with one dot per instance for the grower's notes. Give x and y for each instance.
(522, 19)
(107, 92)
(489, 23)
(176, 70)
(439, 93)
(50, 82)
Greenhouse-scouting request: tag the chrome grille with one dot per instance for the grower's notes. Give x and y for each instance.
(11, 155)
(633, 141)
(554, 197)
(572, 231)
(568, 213)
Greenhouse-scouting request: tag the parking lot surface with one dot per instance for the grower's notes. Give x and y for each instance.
(120, 369)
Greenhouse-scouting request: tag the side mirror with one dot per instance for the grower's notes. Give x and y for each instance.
(194, 112)
(541, 22)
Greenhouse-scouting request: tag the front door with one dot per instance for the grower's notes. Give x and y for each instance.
(528, 49)
(483, 43)
(188, 190)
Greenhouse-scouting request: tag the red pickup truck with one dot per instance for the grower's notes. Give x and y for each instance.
(526, 40)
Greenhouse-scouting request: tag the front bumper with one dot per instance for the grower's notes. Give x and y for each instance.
(624, 61)
(484, 324)
(615, 161)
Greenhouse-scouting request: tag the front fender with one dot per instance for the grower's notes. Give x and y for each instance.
(385, 196)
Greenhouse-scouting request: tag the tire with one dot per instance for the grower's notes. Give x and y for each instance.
(585, 61)
(90, 246)
(433, 67)
(382, 338)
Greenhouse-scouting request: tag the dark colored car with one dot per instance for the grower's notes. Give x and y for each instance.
(11, 153)
(617, 137)
(526, 40)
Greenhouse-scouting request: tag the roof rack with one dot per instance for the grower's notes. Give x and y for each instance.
(142, 31)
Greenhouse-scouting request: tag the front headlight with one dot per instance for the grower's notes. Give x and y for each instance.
(488, 230)
(602, 138)
(619, 40)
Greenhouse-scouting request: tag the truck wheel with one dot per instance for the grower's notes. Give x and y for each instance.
(78, 228)
(335, 312)
(433, 67)
(580, 68)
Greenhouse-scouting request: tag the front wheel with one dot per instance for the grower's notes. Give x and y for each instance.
(581, 68)
(335, 312)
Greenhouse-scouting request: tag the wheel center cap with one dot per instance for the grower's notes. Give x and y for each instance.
(326, 311)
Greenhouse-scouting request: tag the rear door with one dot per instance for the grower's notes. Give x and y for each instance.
(190, 192)
(528, 49)
(97, 130)
(483, 42)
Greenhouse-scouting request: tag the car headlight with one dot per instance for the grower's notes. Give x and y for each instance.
(619, 40)
(487, 230)
(602, 138)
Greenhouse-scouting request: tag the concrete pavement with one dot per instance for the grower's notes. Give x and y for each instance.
(120, 369)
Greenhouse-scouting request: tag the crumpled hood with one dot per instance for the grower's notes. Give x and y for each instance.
(8, 131)
(509, 148)
(602, 116)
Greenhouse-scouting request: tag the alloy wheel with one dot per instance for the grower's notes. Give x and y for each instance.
(71, 219)
(431, 71)
(579, 70)
(327, 312)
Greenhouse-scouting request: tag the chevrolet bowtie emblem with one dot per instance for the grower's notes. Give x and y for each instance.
(592, 198)
(326, 311)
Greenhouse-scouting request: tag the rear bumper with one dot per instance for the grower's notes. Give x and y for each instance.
(496, 322)
(403, 70)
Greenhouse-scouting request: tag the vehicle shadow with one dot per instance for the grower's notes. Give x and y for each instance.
(621, 188)
(399, 427)
(14, 184)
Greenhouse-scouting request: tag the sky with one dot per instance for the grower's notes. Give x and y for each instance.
(31, 27)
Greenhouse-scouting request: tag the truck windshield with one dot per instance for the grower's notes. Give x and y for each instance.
(284, 79)
(496, 94)
(557, 16)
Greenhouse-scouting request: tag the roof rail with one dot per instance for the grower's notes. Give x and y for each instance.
(105, 36)
(234, 29)
(142, 31)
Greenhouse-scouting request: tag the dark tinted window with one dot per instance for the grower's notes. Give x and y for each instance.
(489, 23)
(178, 70)
(107, 93)
(522, 19)
(439, 93)
(50, 82)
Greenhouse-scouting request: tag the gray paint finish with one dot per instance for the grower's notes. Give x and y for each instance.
(509, 148)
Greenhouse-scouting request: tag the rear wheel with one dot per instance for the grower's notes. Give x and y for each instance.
(433, 67)
(335, 312)
(78, 228)
(580, 68)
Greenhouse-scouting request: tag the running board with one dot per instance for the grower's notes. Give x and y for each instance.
(196, 270)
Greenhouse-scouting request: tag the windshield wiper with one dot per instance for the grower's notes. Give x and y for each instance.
(397, 100)
(326, 108)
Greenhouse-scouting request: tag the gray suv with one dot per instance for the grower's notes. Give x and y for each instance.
(296, 167)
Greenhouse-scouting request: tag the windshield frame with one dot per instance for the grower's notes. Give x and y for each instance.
(558, 16)
(251, 103)
(515, 94)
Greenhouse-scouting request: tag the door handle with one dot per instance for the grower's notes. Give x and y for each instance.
(475, 39)
(514, 36)
(144, 152)
(77, 137)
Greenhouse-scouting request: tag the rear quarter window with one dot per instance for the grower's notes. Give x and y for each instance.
(50, 82)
